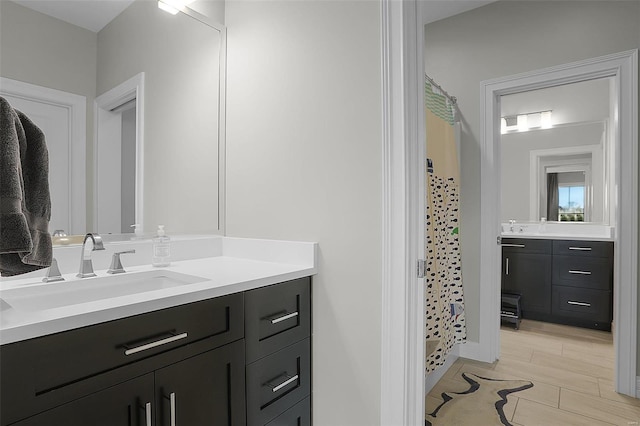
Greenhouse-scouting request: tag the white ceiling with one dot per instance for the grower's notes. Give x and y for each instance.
(435, 10)
(90, 14)
(95, 14)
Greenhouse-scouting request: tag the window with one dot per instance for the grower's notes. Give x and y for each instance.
(571, 203)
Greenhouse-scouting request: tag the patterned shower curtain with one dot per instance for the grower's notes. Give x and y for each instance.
(444, 316)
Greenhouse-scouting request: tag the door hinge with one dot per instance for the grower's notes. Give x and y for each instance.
(499, 240)
(421, 267)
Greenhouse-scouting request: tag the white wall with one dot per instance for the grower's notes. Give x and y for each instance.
(516, 148)
(304, 162)
(504, 38)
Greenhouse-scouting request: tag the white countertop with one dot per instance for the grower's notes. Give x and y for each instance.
(548, 236)
(242, 265)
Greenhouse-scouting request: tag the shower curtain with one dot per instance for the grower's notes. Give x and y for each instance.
(444, 315)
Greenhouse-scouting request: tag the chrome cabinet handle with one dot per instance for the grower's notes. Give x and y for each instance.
(507, 271)
(155, 344)
(580, 248)
(289, 380)
(172, 402)
(571, 302)
(513, 245)
(147, 413)
(580, 272)
(284, 317)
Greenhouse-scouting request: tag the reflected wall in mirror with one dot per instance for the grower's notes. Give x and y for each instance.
(169, 172)
(556, 152)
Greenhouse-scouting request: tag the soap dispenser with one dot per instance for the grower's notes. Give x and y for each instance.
(161, 248)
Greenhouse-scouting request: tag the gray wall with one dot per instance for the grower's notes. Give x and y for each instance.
(304, 156)
(504, 38)
(179, 56)
(32, 45)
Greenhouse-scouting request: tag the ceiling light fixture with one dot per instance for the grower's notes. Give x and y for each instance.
(173, 6)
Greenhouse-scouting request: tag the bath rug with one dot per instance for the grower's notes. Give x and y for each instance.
(482, 403)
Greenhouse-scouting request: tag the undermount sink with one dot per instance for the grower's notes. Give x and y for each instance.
(67, 293)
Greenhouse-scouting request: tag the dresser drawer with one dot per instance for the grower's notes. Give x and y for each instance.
(584, 272)
(298, 415)
(583, 248)
(525, 245)
(582, 304)
(277, 382)
(276, 316)
(70, 356)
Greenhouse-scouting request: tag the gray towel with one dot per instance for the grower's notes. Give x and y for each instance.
(25, 203)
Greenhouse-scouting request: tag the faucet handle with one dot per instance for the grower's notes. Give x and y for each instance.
(53, 273)
(116, 264)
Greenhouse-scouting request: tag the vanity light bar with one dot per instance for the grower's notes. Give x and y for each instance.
(526, 121)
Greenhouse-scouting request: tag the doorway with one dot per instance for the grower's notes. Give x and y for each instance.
(622, 69)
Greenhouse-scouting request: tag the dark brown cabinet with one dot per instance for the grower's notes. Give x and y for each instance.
(183, 365)
(526, 270)
(278, 347)
(562, 281)
(128, 403)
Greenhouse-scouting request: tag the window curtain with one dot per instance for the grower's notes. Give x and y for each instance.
(444, 315)
(552, 196)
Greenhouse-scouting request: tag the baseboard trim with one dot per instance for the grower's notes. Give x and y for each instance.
(435, 376)
(472, 350)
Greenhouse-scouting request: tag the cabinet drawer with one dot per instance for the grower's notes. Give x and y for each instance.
(276, 316)
(584, 272)
(298, 415)
(70, 356)
(583, 248)
(277, 382)
(582, 304)
(525, 245)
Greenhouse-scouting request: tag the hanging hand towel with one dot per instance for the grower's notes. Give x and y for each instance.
(25, 203)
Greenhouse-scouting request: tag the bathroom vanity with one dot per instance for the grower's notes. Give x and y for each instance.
(229, 350)
(561, 281)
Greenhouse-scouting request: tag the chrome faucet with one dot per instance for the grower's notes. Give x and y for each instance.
(86, 267)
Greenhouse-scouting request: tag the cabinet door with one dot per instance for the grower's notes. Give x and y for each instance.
(530, 276)
(126, 404)
(207, 389)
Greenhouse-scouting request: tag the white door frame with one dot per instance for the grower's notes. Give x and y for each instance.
(104, 177)
(77, 107)
(623, 68)
(402, 351)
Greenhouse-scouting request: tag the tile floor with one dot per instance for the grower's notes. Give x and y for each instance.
(572, 372)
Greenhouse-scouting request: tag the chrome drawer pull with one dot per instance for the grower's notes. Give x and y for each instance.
(285, 383)
(284, 317)
(580, 248)
(513, 245)
(155, 344)
(172, 399)
(147, 413)
(580, 272)
(571, 302)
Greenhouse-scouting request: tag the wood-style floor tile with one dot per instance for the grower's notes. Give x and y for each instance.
(572, 371)
(530, 413)
(607, 392)
(599, 408)
(573, 365)
(550, 375)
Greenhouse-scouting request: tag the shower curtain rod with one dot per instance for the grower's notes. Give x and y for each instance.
(453, 99)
